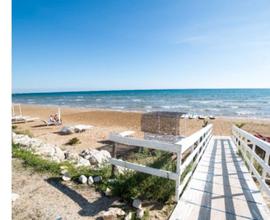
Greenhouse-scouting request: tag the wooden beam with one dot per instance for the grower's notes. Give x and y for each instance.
(144, 169)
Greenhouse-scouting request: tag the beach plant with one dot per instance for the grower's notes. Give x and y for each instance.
(14, 127)
(240, 125)
(73, 141)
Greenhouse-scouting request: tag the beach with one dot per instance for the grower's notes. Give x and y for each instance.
(106, 121)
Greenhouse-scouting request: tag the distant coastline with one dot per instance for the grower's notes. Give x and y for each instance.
(237, 103)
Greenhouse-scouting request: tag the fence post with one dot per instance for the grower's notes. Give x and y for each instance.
(266, 160)
(113, 156)
(178, 171)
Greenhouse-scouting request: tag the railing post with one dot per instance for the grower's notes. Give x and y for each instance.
(266, 160)
(252, 158)
(113, 156)
(178, 171)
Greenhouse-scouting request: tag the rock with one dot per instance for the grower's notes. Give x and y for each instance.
(139, 213)
(14, 197)
(97, 179)
(63, 172)
(46, 150)
(35, 143)
(108, 192)
(90, 180)
(120, 170)
(112, 213)
(66, 130)
(74, 157)
(137, 203)
(83, 162)
(59, 153)
(96, 157)
(66, 177)
(83, 179)
(128, 216)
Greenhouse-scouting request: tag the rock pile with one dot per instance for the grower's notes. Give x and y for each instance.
(37, 146)
(96, 157)
(85, 158)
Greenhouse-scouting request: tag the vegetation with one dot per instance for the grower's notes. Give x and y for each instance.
(14, 127)
(129, 186)
(73, 141)
(240, 125)
(40, 164)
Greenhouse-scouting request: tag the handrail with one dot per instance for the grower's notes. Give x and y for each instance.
(196, 144)
(247, 144)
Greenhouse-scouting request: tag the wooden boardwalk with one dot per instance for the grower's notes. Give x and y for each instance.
(221, 187)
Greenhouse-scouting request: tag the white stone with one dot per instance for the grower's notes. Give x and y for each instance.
(46, 150)
(73, 157)
(120, 170)
(137, 203)
(63, 172)
(128, 216)
(59, 153)
(14, 197)
(90, 180)
(112, 213)
(97, 179)
(139, 213)
(108, 192)
(83, 179)
(66, 177)
(83, 162)
(97, 157)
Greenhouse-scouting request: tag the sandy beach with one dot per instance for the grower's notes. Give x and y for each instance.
(106, 121)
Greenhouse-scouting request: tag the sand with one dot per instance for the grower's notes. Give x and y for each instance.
(106, 121)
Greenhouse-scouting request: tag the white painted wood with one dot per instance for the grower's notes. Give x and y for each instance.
(145, 143)
(178, 172)
(242, 136)
(144, 169)
(221, 195)
(189, 141)
(190, 158)
(201, 138)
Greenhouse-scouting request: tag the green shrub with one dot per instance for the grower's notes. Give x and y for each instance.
(14, 127)
(73, 141)
(240, 125)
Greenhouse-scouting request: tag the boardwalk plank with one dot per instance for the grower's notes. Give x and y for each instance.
(221, 187)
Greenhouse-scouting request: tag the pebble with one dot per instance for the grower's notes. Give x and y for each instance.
(137, 203)
(139, 213)
(90, 180)
(83, 179)
(97, 179)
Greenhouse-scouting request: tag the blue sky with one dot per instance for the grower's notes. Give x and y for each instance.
(140, 44)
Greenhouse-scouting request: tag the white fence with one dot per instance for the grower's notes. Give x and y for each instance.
(248, 144)
(191, 147)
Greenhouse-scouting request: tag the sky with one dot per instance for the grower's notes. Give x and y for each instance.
(67, 45)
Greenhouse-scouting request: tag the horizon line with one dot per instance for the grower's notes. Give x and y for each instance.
(121, 90)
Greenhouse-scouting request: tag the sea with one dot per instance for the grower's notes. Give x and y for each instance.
(252, 103)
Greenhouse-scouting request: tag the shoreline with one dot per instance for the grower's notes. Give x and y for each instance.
(105, 122)
(65, 107)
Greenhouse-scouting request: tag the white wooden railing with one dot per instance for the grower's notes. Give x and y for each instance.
(247, 144)
(191, 147)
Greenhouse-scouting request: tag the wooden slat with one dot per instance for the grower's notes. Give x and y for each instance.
(145, 143)
(144, 169)
(215, 193)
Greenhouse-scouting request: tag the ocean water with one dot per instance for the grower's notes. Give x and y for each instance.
(253, 103)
